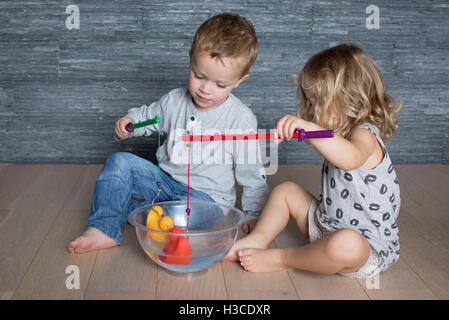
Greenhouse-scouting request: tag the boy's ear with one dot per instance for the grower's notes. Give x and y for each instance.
(246, 76)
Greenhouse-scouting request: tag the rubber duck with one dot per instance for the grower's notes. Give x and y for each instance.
(177, 250)
(156, 221)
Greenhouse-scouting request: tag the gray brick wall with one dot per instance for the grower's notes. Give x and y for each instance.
(62, 90)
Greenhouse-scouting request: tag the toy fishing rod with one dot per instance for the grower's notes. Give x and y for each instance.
(131, 126)
(300, 134)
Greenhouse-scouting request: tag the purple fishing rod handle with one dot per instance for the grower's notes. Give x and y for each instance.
(128, 127)
(314, 134)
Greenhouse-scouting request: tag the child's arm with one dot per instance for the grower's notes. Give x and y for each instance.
(346, 154)
(250, 175)
(144, 113)
(141, 114)
(255, 192)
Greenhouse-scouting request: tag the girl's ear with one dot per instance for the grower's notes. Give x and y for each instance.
(246, 76)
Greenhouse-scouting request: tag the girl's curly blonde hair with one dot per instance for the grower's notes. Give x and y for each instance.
(349, 91)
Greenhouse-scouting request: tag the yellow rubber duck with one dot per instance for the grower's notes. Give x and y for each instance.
(156, 221)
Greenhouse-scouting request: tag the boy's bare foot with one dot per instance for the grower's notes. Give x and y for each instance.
(262, 260)
(91, 239)
(251, 241)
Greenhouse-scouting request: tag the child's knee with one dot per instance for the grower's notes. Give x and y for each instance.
(116, 165)
(285, 188)
(119, 158)
(118, 161)
(347, 247)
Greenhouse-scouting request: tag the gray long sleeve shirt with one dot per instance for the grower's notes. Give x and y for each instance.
(215, 166)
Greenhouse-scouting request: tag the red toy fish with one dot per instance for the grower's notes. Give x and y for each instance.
(177, 250)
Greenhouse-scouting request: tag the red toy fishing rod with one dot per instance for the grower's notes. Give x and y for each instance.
(300, 134)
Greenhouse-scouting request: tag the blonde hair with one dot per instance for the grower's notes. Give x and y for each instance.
(227, 35)
(349, 92)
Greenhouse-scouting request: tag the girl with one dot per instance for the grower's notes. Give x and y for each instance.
(351, 229)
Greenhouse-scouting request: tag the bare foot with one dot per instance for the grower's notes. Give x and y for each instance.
(250, 241)
(91, 239)
(262, 260)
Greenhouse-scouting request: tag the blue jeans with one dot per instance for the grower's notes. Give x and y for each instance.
(126, 176)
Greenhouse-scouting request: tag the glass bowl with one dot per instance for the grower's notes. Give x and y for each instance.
(212, 230)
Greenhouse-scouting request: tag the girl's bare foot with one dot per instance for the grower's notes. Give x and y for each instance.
(262, 260)
(91, 239)
(251, 241)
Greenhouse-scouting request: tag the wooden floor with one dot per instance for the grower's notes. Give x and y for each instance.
(43, 207)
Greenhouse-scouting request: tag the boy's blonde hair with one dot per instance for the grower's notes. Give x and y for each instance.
(349, 91)
(227, 35)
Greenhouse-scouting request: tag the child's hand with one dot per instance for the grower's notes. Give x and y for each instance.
(285, 127)
(249, 225)
(120, 128)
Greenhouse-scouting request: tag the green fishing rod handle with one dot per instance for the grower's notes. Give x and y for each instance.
(131, 126)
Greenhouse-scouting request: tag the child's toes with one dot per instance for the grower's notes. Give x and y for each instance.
(73, 245)
(247, 265)
(244, 253)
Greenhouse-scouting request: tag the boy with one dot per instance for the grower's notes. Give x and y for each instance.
(223, 50)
